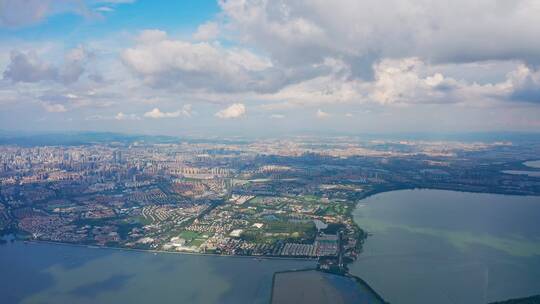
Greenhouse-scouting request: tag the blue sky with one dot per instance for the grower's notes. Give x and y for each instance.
(269, 67)
(74, 28)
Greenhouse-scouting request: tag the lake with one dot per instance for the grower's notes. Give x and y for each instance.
(435, 246)
(523, 172)
(48, 273)
(316, 287)
(532, 163)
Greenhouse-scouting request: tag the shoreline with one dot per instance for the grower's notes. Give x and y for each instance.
(155, 251)
(367, 195)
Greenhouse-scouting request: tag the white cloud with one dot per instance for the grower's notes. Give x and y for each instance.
(337, 74)
(283, 57)
(207, 31)
(307, 31)
(151, 36)
(156, 113)
(187, 110)
(54, 108)
(321, 114)
(96, 117)
(105, 9)
(235, 110)
(122, 116)
(164, 62)
(74, 64)
(524, 84)
(28, 67)
(400, 81)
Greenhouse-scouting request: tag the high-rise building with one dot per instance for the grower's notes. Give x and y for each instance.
(117, 157)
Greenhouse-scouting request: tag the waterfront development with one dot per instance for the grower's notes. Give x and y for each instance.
(256, 200)
(424, 246)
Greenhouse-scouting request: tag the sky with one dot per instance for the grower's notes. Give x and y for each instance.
(260, 67)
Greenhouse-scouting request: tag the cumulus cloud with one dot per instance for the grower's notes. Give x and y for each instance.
(399, 81)
(341, 56)
(328, 89)
(28, 67)
(74, 63)
(346, 51)
(122, 116)
(321, 114)
(235, 110)
(187, 110)
(157, 113)
(361, 32)
(165, 62)
(207, 31)
(54, 108)
(525, 84)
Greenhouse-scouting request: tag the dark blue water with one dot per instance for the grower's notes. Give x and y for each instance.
(315, 287)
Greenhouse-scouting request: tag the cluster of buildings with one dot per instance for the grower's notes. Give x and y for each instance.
(252, 198)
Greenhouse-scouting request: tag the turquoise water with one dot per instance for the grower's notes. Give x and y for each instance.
(434, 246)
(46, 273)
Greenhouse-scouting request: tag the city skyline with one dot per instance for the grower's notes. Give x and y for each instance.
(260, 67)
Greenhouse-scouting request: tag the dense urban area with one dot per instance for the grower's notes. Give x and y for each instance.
(272, 198)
